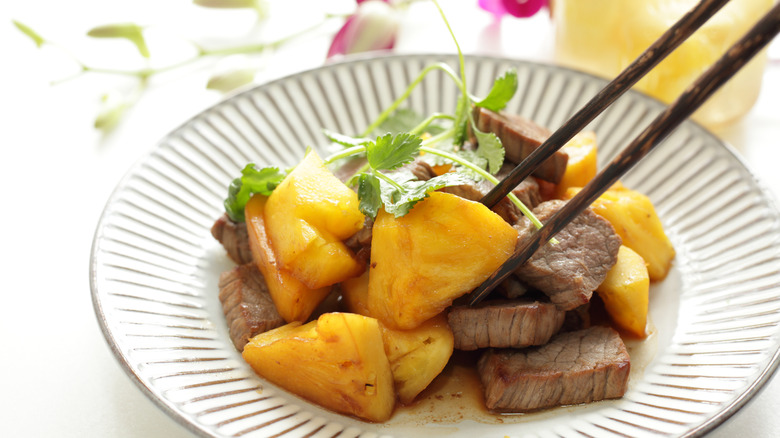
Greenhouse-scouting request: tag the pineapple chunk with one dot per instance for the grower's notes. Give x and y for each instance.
(636, 222)
(337, 361)
(417, 356)
(307, 216)
(442, 249)
(625, 292)
(354, 293)
(293, 300)
(581, 167)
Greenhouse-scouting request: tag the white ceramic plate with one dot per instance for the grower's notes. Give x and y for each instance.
(154, 265)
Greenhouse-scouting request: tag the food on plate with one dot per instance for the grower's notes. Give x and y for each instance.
(581, 166)
(569, 271)
(636, 221)
(247, 304)
(626, 292)
(520, 137)
(505, 323)
(353, 265)
(292, 298)
(424, 260)
(308, 216)
(418, 356)
(574, 367)
(337, 361)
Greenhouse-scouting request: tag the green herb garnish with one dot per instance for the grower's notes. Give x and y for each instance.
(379, 183)
(252, 180)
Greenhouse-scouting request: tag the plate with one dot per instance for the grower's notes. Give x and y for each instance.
(154, 264)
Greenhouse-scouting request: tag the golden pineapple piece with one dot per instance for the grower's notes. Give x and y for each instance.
(442, 249)
(307, 216)
(337, 361)
(636, 222)
(293, 300)
(418, 355)
(625, 292)
(582, 165)
(354, 293)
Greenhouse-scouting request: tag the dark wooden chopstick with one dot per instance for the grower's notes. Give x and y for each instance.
(662, 47)
(731, 62)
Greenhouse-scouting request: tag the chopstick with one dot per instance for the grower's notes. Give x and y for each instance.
(662, 47)
(731, 62)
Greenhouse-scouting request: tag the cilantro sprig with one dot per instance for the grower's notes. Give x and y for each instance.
(379, 183)
(252, 180)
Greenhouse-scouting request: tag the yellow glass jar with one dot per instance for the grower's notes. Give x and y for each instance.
(604, 36)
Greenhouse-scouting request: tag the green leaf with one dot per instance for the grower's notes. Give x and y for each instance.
(369, 194)
(390, 152)
(129, 31)
(490, 148)
(25, 29)
(472, 157)
(402, 120)
(252, 180)
(502, 91)
(400, 203)
(345, 140)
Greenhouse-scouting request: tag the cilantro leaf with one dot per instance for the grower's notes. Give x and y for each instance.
(390, 152)
(252, 180)
(490, 148)
(345, 140)
(398, 204)
(369, 194)
(472, 157)
(405, 120)
(503, 89)
(402, 120)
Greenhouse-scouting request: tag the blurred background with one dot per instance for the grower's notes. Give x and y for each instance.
(89, 87)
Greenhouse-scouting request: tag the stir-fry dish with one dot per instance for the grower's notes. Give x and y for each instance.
(352, 268)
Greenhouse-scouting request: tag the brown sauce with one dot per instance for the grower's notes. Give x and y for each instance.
(456, 394)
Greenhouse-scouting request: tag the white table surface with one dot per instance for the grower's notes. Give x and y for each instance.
(58, 377)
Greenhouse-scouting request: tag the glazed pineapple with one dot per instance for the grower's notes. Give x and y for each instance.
(417, 356)
(625, 292)
(307, 217)
(293, 300)
(337, 361)
(442, 249)
(636, 222)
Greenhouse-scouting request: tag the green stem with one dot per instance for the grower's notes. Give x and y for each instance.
(389, 180)
(484, 174)
(389, 110)
(417, 130)
(348, 152)
(202, 53)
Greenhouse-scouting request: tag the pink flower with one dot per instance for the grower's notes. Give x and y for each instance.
(373, 26)
(518, 8)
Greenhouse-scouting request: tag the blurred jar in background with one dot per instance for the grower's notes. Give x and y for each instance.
(603, 36)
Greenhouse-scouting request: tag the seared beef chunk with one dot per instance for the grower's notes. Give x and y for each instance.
(360, 242)
(512, 287)
(527, 192)
(233, 237)
(569, 271)
(520, 137)
(502, 323)
(574, 367)
(420, 169)
(247, 304)
(577, 319)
